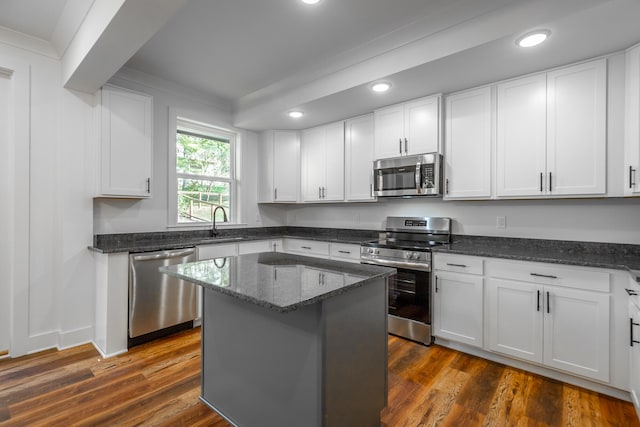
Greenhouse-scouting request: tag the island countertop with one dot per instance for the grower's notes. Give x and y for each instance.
(278, 281)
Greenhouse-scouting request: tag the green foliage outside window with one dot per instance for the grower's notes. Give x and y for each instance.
(202, 158)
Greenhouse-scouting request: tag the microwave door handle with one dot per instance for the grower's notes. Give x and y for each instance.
(418, 178)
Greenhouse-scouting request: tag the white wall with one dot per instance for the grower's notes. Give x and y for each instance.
(598, 220)
(50, 276)
(128, 216)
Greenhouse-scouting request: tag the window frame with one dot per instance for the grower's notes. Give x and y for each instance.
(181, 122)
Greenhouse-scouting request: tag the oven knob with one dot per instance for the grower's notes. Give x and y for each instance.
(415, 255)
(376, 251)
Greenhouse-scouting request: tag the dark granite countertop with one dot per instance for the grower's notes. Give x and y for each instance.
(587, 254)
(282, 282)
(146, 242)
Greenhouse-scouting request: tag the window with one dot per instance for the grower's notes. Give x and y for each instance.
(204, 178)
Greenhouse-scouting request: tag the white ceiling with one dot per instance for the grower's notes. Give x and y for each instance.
(263, 58)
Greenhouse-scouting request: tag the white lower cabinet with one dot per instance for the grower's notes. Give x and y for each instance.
(458, 307)
(560, 327)
(634, 354)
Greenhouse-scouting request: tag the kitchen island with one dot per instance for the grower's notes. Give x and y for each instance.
(290, 340)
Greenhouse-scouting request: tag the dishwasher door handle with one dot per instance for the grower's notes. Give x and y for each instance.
(164, 255)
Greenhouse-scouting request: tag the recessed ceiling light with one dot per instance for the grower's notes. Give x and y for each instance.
(381, 87)
(533, 39)
(310, 1)
(296, 114)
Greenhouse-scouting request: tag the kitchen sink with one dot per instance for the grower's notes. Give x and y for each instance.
(221, 240)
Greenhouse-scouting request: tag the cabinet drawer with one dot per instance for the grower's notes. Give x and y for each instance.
(550, 274)
(310, 247)
(254, 247)
(345, 251)
(458, 263)
(217, 251)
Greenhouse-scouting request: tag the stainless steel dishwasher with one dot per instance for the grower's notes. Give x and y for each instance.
(159, 304)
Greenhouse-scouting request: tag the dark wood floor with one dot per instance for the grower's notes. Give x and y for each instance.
(158, 384)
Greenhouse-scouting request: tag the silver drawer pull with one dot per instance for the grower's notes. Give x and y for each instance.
(548, 276)
(305, 247)
(457, 265)
(344, 252)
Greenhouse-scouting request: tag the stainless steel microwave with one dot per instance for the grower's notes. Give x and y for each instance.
(407, 176)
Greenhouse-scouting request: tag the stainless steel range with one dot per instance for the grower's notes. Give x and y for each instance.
(406, 246)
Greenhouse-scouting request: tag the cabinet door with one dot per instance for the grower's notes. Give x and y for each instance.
(333, 184)
(468, 145)
(389, 132)
(312, 154)
(266, 188)
(576, 332)
(359, 157)
(576, 129)
(632, 123)
(422, 126)
(126, 143)
(515, 318)
(634, 354)
(286, 170)
(521, 137)
(457, 307)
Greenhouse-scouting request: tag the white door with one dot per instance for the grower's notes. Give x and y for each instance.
(521, 137)
(389, 132)
(515, 318)
(576, 129)
(286, 169)
(632, 123)
(576, 331)
(126, 143)
(5, 214)
(468, 145)
(333, 186)
(422, 126)
(634, 354)
(312, 156)
(457, 307)
(359, 157)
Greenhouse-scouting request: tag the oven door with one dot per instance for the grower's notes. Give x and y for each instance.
(409, 292)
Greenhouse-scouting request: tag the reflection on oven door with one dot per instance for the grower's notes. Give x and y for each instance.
(409, 296)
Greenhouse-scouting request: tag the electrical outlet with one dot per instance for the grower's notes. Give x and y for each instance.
(501, 222)
(357, 218)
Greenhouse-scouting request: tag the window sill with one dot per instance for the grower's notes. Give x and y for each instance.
(207, 226)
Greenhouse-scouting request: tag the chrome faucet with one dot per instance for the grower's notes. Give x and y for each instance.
(214, 231)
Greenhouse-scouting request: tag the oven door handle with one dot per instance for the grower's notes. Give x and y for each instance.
(418, 178)
(405, 265)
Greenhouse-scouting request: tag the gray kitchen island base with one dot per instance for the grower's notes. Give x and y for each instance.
(323, 364)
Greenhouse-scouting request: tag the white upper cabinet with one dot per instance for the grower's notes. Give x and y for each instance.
(278, 166)
(467, 151)
(359, 158)
(322, 163)
(551, 133)
(632, 123)
(126, 122)
(576, 129)
(521, 136)
(409, 128)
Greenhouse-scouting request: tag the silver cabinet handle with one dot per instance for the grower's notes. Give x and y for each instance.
(405, 146)
(324, 192)
(632, 175)
(344, 252)
(305, 247)
(436, 278)
(164, 255)
(400, 146)
(275, 194)
(446, 186)
(457, 265)
(319, 192)
(148, 185)
(630, 292)
(538, 301)
(550, 182)
(548, 276)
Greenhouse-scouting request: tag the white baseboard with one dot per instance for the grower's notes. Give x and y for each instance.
(75, 338)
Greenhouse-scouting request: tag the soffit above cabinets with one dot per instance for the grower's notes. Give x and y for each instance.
(261, 59)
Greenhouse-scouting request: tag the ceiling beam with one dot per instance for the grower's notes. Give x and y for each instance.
(112, 32)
